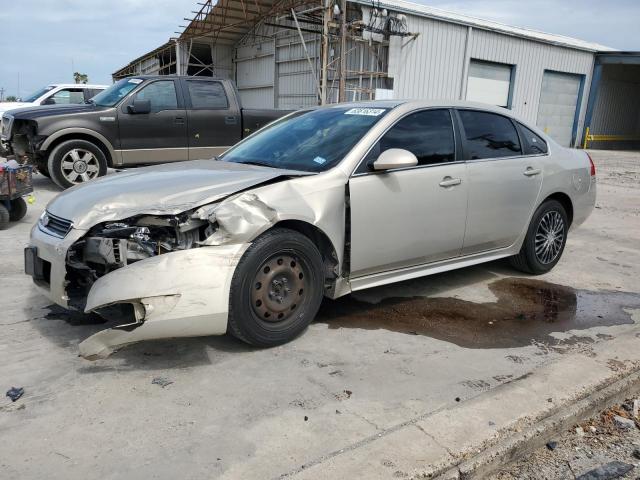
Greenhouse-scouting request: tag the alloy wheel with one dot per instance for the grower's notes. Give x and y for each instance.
(549, 237)
(79, 165)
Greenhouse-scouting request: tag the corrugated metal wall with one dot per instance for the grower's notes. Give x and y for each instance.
(255, 69)
(296, 85)
(434, 64)
(275, 73)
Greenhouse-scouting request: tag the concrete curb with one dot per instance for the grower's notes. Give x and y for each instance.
(520, 444)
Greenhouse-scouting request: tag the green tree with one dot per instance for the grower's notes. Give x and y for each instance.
(80, 77)
(11, 98)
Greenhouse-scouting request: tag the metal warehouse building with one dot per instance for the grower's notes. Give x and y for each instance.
(290, 54)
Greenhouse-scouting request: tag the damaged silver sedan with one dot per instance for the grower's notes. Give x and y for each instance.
(322, 202)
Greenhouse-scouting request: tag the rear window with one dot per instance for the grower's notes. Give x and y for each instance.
(533, 143)
(207, 95)
(489, 135)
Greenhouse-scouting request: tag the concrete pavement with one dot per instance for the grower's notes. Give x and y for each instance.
(404, 389)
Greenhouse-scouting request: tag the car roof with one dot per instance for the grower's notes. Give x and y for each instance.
(77, 85)
(418, 104)
(443, 103)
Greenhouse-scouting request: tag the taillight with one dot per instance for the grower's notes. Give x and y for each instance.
(593, 166)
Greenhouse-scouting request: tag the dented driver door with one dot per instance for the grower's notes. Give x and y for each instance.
(410, 216)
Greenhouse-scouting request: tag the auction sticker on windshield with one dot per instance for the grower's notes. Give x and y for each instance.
(370, 112)
(136, 81)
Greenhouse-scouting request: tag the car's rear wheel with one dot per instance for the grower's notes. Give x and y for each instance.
(276, 289)
(76, 161)
(545, 240)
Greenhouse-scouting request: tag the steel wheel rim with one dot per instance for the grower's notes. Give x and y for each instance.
(79, 165)
(549, 237)
(279, 288)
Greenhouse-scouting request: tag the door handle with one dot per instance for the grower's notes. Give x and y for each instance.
(178, 120)
(530, 172)
(450, 182)
(230, 120)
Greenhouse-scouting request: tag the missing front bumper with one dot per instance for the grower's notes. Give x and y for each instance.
(178, 294)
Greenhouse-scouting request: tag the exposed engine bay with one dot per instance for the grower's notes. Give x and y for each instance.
(113, 245)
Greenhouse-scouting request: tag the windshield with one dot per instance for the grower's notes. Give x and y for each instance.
(311, 141)
(117, 91)
(36, 95)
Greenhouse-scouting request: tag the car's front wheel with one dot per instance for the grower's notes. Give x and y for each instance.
(76, 161)
(276, 289)
(545, 240)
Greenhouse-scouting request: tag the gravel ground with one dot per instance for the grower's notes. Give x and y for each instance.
(585, 447)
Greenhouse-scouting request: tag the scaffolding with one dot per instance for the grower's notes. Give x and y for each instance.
(343, 45)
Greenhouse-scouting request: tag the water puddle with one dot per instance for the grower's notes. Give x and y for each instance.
(526, 310)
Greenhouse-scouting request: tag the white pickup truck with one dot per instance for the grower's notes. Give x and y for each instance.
(55, 94)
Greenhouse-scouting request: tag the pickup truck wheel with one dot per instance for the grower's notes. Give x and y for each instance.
(545, 240)
(76, 161)
(18, 209)
(276, 289)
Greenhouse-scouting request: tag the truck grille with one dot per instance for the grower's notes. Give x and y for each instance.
(56, 226)
(5, 126)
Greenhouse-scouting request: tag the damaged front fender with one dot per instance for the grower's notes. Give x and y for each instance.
(178, 294)
(240, 219)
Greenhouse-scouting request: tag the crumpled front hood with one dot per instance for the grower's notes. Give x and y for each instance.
(159, 190)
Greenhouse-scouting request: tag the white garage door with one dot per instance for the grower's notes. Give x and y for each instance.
(558, 103)
(489, 83)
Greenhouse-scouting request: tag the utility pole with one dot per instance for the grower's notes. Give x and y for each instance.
(1, 94)
(326, 13)
(342, 86)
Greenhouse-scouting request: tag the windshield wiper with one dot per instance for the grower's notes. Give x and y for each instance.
(259, 164)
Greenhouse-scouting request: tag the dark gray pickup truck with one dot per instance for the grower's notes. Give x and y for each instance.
(137, 121)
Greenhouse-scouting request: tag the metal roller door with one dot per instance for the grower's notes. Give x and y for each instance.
(489, 83)
(558, 103)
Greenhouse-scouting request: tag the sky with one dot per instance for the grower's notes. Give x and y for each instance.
(45, 41)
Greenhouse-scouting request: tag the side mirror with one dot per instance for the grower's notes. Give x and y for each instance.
(48, 101)
(139, 106)
(395, 158)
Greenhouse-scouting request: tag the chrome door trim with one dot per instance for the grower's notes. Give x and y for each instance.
(153, 155)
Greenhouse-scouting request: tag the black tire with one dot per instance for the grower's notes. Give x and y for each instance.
(18, 209)
(62, 176)
(4, 217)
(528, 260)
(254, 309)
(43, 169)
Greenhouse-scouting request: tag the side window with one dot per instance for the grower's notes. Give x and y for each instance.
(489, 135)
(533, 143)
(207, 95)
(162, 95)
(66, 97)
(427, 134)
